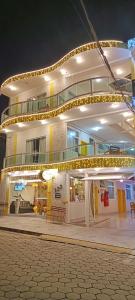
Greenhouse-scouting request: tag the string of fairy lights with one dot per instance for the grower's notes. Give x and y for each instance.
(90, 162)
(89, 99)
(78, 50)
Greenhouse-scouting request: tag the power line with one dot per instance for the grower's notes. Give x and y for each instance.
(101, 52)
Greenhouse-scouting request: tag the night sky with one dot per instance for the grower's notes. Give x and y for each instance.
(35, 33)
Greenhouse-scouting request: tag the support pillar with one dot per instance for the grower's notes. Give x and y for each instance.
(89, 202)
(5, 194)
(67, 190)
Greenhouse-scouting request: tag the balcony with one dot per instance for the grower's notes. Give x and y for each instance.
(93, 86)
(93, 150)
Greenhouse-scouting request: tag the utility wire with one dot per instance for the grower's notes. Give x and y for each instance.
(104, 58)
(81, 19)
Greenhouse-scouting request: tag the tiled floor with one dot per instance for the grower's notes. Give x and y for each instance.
(115, 230)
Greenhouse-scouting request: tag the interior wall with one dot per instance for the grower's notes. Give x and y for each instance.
(27, 194)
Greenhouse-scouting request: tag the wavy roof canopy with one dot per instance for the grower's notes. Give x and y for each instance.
(27, 80)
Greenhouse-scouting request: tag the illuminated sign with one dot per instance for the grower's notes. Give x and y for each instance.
(49, 174)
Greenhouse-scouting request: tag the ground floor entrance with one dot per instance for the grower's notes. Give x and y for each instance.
(67, 197)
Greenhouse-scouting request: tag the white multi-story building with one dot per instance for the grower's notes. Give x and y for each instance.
(70, 136)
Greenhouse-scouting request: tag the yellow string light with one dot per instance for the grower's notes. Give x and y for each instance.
(89, 162)
(65, 107)
(78, 50)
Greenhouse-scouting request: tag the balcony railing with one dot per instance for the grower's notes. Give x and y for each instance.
(90, 86)
(80, 151)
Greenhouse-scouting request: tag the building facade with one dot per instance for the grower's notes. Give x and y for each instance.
(70, 136)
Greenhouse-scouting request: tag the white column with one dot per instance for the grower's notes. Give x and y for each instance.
(5, 193)
(89, 218)
(87, 202)
(67, 189)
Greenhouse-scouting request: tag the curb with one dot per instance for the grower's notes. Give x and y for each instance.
(86, 244)
(71, 241)
(19, 231)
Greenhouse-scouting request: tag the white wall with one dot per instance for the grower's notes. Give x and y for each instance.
(77, 211)
(60, 179)
(58, 138)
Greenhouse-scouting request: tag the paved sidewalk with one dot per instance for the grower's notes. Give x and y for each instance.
(116, 231)
(31, 268)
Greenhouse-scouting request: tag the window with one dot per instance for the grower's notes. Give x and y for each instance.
(37, 145)
(128, 192)
(111, 190)
(72, 139)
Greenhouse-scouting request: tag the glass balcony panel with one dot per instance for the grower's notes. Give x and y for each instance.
(100, 85)
(89, 86)
(24, 107)
(83, 87)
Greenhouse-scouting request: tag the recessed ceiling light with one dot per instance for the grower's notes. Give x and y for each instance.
(12, 88)
(127, 114)
(115, 105)
(43, 122)
(82, 108)
(63, 71)
(96, 128)
(119, 71)
(79, 59)
(102, 177)
(116, 169)
(121, 180)
(132, 149)
(105, 53)
(46, 78)
(130, 119)
(98, 79)
(103, 121)
(6, 130)
(62, 117)
(21, 125)
(97, 169)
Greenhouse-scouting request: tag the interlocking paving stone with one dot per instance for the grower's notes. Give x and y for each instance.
(31, 268)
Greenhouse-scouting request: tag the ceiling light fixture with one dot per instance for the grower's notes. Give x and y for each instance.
(6, 130)
(82, 108)
(98, 79)
(96, 128)
(127, 114)
(119, 71)
(43, 122)
(46, 78)
(130, 119)
(115, 105)
(79, 59)
(116, 169)
(62, 117)
(21, 125)
(97, 169)
(103, 121)
(12, 88)
(102, 177)
(63, 71)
